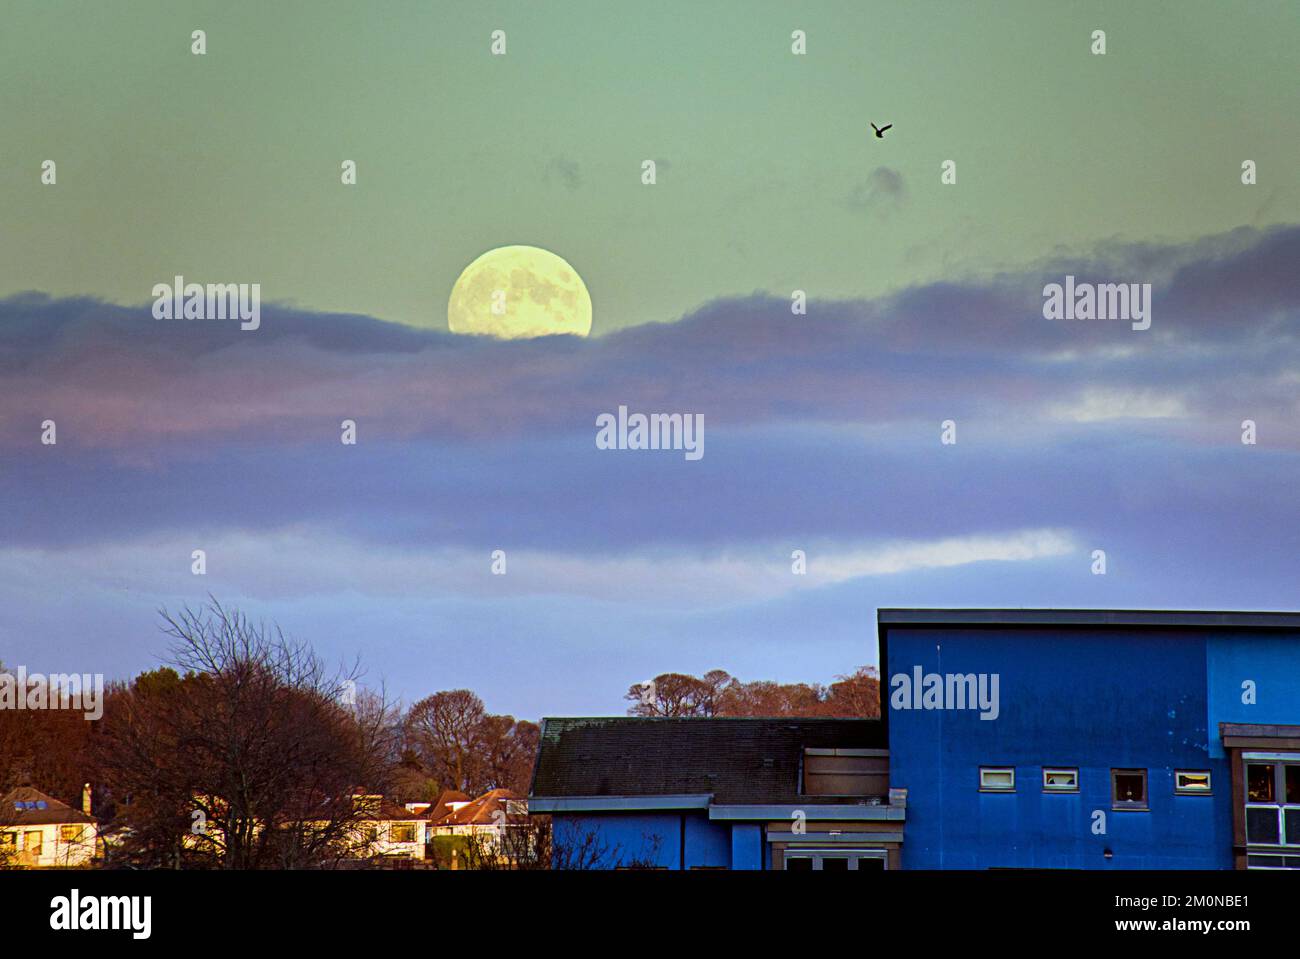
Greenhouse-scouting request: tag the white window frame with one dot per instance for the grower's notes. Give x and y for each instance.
(1072, 771)
(986, 788)
(1181, 790)
(821, 853)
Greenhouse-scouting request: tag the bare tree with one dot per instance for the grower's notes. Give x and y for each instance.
(717, 693)
(676, 694)
(445, 728)
(460, 745)
(251, 758)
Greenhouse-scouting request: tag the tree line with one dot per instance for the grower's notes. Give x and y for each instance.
(247, 738)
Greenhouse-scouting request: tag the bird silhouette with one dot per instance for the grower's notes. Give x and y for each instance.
(880, 131)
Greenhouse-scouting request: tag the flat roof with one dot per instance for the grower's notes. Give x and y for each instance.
(1146, 618)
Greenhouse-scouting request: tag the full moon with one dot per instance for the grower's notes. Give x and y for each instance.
(518, 292)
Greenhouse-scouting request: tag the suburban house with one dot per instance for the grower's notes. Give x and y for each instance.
(1077, 739)
(388, 831)
(714, 793)
(40, 832)
(487, 815)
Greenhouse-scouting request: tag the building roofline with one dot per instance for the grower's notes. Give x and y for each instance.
(712, 719)
(1144, 618)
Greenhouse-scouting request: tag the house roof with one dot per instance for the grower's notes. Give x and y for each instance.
(379, 809)
(441, 809)
(480, 811)
(734, 760)
(1144, 618)
(27, 806)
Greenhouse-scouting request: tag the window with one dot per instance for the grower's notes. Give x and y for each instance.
(1059, 780)
(997, 779)
(1191, 783)
(1259, 782)
(1272, 807)
(9, 841)
(404, 832)
(802, 859)
(1128, 788)
(70, 833)
(370, 834)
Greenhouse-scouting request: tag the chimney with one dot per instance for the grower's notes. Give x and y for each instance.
(85, 799)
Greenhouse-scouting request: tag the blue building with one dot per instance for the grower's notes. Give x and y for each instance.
(717, 793)
(1074, 739)
(1088, 739)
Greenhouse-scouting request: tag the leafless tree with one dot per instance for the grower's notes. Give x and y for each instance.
(248, 758)
(460, 745)
(676, 694)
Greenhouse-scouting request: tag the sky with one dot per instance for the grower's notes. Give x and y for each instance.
(822, 430)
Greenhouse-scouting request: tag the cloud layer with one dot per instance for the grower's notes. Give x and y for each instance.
(823, 435)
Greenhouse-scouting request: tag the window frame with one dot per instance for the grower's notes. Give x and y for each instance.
(1072, 770)
(1285, 843)
(404, 826)
(985, 788)
(1130, 805)
(1194, 790)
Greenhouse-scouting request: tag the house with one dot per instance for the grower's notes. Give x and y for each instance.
(476, 833)
(712, 793)
(386, 830)
(38, 831)
(487, 815)
(1094, 739)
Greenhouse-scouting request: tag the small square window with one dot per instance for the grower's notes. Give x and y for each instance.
(70, 833)
(1057, 779)
(1191, 782)
(1128, 788)
(402, 833)
(999, 779)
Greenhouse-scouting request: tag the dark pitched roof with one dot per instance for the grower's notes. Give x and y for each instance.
(734, 760)
(1145, 618)
(26, 806)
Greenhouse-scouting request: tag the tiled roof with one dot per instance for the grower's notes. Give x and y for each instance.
(26, 806)
(734, 760)
(481, 811)
(442, 808)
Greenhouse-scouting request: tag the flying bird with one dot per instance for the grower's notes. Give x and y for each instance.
(880, 131)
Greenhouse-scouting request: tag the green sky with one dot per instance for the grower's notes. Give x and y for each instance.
(226, 167)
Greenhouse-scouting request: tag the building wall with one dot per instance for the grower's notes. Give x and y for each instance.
(54, 852)
(1270, 662)
(1089, 699)
(632, 836)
